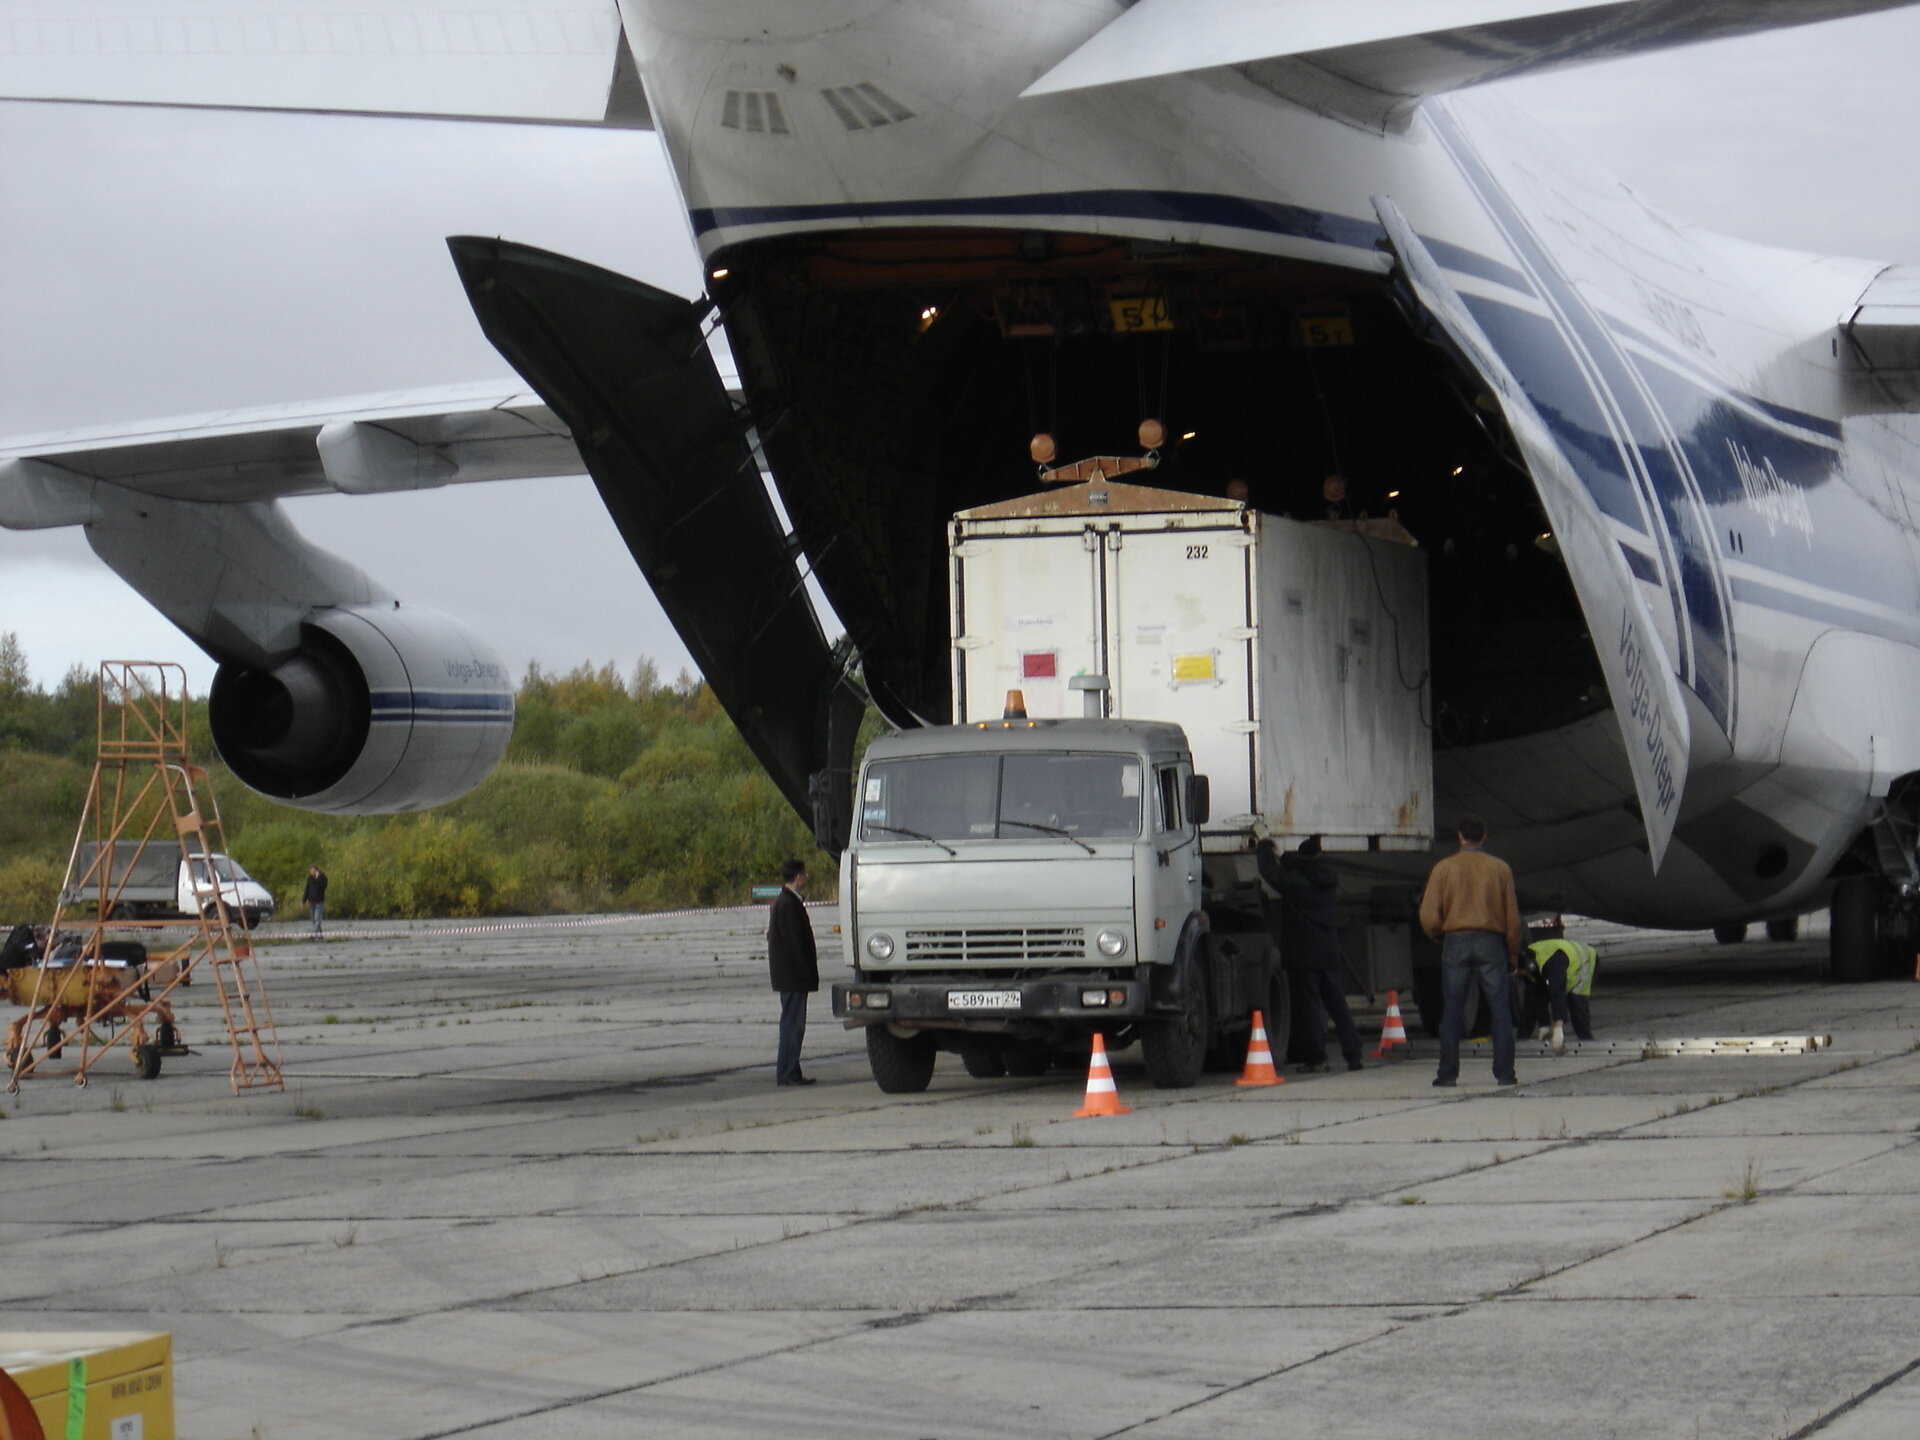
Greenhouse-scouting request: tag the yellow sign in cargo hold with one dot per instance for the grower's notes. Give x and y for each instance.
(95, 1386)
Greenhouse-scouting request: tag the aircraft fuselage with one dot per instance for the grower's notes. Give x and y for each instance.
(918, 268)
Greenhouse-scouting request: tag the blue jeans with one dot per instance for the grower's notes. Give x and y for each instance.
(1464, 956)
(319, 914)
(793, 1029)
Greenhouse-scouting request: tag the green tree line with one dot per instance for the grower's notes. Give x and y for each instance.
(618, 792)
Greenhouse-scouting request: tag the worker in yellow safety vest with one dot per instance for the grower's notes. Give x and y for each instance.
(1558, 975)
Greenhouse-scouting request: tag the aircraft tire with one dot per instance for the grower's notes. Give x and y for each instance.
(1729, 934)
(900, 1066)
(1899, 937)
(1787, 927)
(146, 1061)
(1853, 947)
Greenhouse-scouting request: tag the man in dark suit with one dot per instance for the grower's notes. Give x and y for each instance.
(794, 967)
(1309, 942)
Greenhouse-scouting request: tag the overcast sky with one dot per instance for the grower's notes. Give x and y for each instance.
(158, 263)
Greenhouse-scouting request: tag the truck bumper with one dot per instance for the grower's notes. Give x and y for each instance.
(970, 1003)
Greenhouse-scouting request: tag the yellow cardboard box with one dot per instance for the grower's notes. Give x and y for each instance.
(95, 1386)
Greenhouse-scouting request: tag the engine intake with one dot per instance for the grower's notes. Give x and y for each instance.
(380, 710)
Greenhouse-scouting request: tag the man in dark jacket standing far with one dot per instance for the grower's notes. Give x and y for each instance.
(314, 897)
(1310, 949)
(794, 967)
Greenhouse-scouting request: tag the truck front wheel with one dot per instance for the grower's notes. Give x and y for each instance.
(1175, 1046)
(900, 1066)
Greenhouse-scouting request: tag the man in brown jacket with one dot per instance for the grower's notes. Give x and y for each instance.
(1470, 909)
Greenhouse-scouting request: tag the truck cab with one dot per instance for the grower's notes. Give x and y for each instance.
(1015, 886)
(244, 895)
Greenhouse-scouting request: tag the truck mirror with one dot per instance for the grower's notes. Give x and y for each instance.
(1199, 799)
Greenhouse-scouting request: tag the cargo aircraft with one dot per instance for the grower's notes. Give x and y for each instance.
(1665, 479)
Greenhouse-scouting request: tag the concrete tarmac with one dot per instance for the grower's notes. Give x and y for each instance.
(536, 1181)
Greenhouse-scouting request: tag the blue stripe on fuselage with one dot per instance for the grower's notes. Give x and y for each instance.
(1827, 611)
(1538, 355)
(1643, 566)
(1709, 669)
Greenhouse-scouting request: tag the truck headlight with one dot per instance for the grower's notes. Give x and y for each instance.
(880, 945)
(1111, 942)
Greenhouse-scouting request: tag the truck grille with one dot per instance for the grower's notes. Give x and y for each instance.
(1012, 944)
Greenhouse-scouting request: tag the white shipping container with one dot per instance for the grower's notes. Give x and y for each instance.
(1293, 654)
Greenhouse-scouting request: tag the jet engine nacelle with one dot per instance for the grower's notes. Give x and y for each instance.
(381, 709)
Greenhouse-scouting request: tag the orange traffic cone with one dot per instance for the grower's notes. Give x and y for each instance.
(1102, 1097)
(1394, 1032)
(1260, 1069)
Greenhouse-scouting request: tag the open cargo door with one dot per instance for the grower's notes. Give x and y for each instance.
(1640, 675)
(627, 368)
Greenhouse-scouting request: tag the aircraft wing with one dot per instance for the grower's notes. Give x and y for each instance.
(1390, 52)
(362, 445)
(549, 61)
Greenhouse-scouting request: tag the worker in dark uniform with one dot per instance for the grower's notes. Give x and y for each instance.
(1559, 974)
(794, 968)
(1309, 941)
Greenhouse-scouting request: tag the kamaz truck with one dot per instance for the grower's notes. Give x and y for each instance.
(1146, 682)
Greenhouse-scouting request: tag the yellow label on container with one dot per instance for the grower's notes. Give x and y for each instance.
(1192, 667)
(1135, 313)
(1326, 330)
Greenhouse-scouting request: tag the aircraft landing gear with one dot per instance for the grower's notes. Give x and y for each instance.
(1875, 931)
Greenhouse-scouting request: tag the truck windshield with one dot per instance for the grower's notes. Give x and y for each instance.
(223, 867)
(1002, 797)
